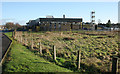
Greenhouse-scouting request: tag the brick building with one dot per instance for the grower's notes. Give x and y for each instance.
(55, 24)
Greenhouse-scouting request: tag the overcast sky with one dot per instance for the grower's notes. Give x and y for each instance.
(22, 12)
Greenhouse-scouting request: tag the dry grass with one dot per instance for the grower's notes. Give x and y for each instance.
(96, 47)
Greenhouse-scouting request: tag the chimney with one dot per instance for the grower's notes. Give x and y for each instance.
(63, 16)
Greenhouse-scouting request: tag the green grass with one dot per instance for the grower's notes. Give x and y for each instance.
(96, 48)
(23, 60)
(9, 34)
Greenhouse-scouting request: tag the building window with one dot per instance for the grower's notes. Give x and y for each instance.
(50, 25)
(59, 26)
(73, 23)
(55, 26)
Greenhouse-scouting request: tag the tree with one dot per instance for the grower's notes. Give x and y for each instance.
(17, 25)
(108, 24)
(9, 25)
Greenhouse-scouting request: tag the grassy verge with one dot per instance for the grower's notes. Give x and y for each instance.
(22, 60)
(96, 48)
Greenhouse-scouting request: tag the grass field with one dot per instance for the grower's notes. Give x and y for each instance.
(20, 59)
(96, 48)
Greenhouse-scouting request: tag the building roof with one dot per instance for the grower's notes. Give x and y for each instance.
(61, 19)
(33, 22)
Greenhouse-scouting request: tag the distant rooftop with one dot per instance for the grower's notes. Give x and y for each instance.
(49, 16)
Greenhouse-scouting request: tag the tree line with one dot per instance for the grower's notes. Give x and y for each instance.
(12, 26)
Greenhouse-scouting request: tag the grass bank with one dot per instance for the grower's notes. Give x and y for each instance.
(20, 59)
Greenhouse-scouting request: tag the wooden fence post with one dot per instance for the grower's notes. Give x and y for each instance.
(54, 50)
(115, 65)
(61, 33)
(17, 37)
(40, 48)
(78, 59)
(21, 38)
(13, 34)
(32, 43)
(25, 41)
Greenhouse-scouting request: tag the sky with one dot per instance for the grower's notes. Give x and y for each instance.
(119, 12)
(22, 12)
